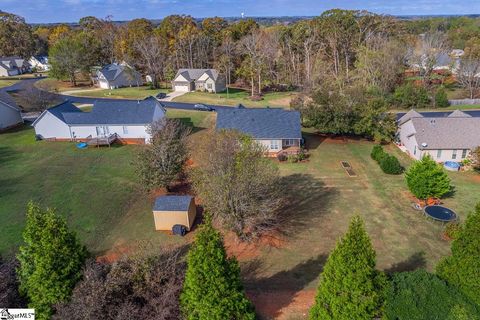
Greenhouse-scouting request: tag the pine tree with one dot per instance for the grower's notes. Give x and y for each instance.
(212, 288)
(462, 268)
(426, 178)
(51, 260)
(350, 286)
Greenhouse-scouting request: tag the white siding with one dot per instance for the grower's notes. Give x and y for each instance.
(407, 138)
(135, 132)
(49, 126)
(446, 155)
(9, 117)
(269, 144)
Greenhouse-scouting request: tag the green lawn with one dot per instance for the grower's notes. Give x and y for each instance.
(7, 82)
(122, 93)
(236, 96)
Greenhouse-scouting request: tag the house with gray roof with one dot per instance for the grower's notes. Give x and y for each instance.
(10, 113)
(210, 80)
(40, 63)
(277, 130)
(445, 137)
(114, 75)
(12, 66)
(127, 121)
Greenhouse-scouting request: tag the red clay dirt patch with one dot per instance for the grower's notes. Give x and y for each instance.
(247, 250)
(281, 304)
(114, 254)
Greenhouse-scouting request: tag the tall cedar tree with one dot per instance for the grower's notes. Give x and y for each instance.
(350, 286)
(462, 268)
(426, 178)
(163, 160)
(212, 289)
(51, 260)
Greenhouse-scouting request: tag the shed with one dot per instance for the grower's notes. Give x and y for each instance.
(171, 210)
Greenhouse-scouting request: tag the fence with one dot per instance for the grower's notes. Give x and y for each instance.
(463, 101)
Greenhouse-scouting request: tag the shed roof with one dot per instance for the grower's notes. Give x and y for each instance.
(172, 203)
(264, 123)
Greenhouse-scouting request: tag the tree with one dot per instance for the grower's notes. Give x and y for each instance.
(375, 121)
(350, 287)
(425, 179)
(162, 161)
(51, 260)
(468, 75)
(462, 268)
(421, 295)
(212, 289)
(16, 36)
(152, 52)
(440, 99)
(411, 96)
(238, 185)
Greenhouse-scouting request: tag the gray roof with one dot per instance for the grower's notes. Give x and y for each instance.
(112, 71)
(194, 74)
(447, 133)
(459, 114)
(172, 203)
(7, 100)
(117, 113)
(61, 109)
(264, 123)
(407, 116)
(12, 62)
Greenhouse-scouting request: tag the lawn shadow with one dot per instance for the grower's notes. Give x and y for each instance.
(414, 262)
(7, 155)
(308, 199)
(273, 293)
(312, 140)
(187, 121)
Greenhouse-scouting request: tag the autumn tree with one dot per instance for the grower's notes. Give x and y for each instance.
(238, 185)
(213, 289)
(152, 52)
(161, 161)
(16, 36)
(431, 47)
(57, 33)
(51, 260)
(468, 75)
(350, 286)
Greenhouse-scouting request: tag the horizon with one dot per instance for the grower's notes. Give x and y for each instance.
(45, 11)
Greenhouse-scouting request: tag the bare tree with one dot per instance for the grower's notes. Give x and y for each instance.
(238, 185)
(468, 75)
(153, 51)
(432, 47)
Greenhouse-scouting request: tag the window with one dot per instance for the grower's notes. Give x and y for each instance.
(415, 150)
(209, 86)
(464, 153)
(454, 154)
(274, 144)
(289, 142)
(125, 130)
(439, 154)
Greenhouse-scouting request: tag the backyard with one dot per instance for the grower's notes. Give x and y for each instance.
(97, 191)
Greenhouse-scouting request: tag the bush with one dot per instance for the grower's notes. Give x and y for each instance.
(282, 157)
(427, 179)
(293, 158)
(452, 229)
(421, 295)
(377, 152)
(390, 164)
(441, 98)
(411, 96)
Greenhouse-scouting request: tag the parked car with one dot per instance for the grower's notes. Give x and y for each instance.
(161, 95)
(203, 107)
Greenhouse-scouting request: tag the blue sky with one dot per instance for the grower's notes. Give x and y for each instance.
(72, 10)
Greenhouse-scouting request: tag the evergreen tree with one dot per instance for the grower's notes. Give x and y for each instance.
(51, 260)
(212, 288)
(462, 268)
(426, 178)
(350, 287)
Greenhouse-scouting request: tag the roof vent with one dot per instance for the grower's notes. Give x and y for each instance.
(424, 145)
(432, 121)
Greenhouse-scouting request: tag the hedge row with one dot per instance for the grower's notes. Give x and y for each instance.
(388, 163)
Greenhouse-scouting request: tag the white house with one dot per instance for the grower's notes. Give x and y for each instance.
(277, 130)
(443, 136)
(210, 80)
(113, 76)
(10, 113)
(40, 63)
(128, 121)
(12, 66)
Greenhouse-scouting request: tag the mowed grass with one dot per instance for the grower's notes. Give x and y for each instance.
(7, 82)
(96, 189)
(236, 96)
(122, 93)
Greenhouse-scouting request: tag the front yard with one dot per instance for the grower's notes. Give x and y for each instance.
(7, 82)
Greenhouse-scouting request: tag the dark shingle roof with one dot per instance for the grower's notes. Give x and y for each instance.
(117, 113)
(62, 108)
(261, 123)
(194, 74)
(7, 100)
(112, 71)
(172, 203)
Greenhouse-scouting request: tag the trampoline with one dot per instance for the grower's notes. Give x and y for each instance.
(440, 213)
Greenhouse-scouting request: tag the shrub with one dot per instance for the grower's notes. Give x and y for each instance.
(441, 98)
(390, 165)
(292, 158)
(377, 152)
(421, 295)
(452, 230)
(282, 157)
(427, 179)
(411, 96)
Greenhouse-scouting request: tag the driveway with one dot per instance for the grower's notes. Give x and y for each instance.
(172, 95)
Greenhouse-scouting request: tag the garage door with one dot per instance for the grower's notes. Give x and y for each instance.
(182, 87)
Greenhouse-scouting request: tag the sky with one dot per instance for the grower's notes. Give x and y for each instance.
(42, 11)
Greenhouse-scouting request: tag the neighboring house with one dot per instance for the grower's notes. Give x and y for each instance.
(10, 113)
(277, 129)
(40, 63)
(444, 138)
(12, 66)
(127, 120)
(209, 80)
(113, 76)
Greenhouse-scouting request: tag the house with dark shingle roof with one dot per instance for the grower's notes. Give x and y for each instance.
(210, 80)
(276, 129)
(445, 137)
(10, 113)
(12, 66)
(113, 76)
(127, 120)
